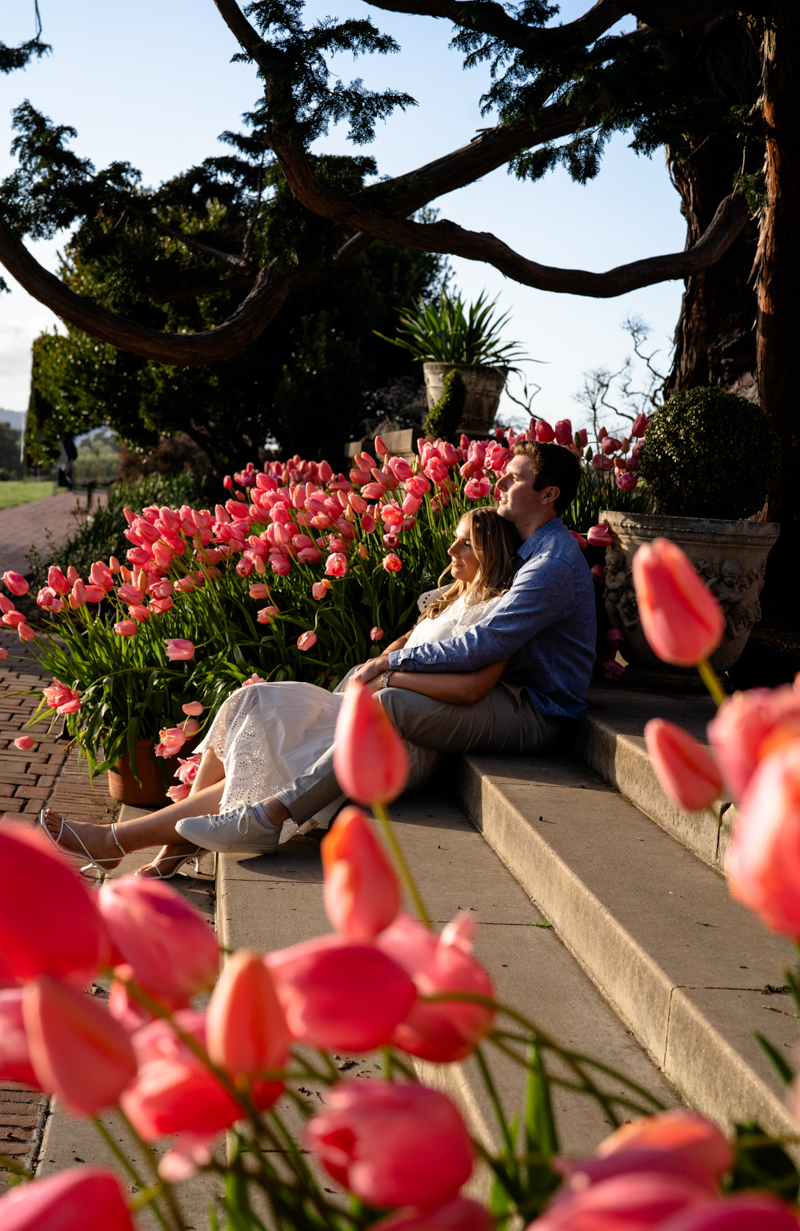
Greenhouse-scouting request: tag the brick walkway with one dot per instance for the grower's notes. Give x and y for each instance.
(47, 773)
(24, 524)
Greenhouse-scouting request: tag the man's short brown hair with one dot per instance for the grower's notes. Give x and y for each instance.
(553, 466)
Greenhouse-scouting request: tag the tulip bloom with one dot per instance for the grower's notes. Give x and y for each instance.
(24, 743)
(744, 1212)
(79, 1199)
(749, 726)
(564, 432)
(77, 1049)
(179, 650)
(449, 1030)
(679, 1142)
(245, 1027)
(39, 888)
(638, 1201)
(376, 634)
(192, 709)
(340, 994)
(171, 740)
(543, 432)
(687, 771)
(168, 944)
(126, 628)
(307, 640)
(57, 581)
(369, 757)
(392, 563)
(640, 425)
(15, 1060)
(763, 860)
(336, 564)
(362, 894)
(681, 618)
(599, 536)
(613, 670)
(3, 654)
(391, 1143)
(16, 583)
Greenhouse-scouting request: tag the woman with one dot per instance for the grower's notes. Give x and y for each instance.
(265, 734)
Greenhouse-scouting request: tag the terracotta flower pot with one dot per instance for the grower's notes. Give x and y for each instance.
(153, 792)
(730, 556)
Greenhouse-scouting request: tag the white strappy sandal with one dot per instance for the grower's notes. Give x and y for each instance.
(93, 864)
(179, 861)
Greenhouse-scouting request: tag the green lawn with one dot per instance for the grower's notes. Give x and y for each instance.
(23, 491)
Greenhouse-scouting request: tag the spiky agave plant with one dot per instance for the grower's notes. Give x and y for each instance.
(452, 332)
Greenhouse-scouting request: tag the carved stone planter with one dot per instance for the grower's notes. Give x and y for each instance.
(730, 556)
(484, 386)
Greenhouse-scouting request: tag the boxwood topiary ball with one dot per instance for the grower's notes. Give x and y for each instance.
(708, 453)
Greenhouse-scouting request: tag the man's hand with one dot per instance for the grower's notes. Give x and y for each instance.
(370, 669)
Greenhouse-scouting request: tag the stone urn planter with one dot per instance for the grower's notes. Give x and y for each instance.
(484, 386)
(730, 556)
(152, 793)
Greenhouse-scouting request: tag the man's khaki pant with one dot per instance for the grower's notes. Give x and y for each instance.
(506, 721)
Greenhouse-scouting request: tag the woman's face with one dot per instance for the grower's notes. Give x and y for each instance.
(465, 562)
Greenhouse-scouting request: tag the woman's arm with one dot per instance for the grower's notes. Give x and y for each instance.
(462, 688)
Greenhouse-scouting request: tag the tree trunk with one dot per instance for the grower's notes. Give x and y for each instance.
(715, 338)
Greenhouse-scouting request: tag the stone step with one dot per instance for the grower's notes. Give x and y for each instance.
(610, 741)
(269, 902)
(684, 966)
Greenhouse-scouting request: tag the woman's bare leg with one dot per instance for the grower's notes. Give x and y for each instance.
(209, 772)
(157, 828)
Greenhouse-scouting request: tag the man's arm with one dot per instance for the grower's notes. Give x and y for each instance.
(457, 688)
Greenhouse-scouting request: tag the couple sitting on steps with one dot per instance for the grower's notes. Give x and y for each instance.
(500, 662)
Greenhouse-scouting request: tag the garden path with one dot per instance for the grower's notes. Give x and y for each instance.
(26, 525)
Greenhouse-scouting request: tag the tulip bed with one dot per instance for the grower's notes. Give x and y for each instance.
(300, 574)
(397, 1151)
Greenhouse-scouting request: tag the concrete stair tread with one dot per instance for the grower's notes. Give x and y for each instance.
(610, 741)
(681, 961)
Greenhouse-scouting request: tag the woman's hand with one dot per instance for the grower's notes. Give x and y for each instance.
(373, 668)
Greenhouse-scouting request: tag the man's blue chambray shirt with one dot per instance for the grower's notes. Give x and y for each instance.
(546, 620)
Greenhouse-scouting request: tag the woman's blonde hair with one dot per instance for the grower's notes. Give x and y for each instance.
(494, 541)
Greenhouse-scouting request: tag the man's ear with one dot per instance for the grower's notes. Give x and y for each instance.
(550, 495)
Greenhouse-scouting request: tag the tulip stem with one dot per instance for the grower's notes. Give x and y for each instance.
(128, 1167)
(382, 817)
(150, 1154)
(711, 680)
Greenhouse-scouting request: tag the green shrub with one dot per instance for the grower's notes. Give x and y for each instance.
(708, 453)
(445, 417)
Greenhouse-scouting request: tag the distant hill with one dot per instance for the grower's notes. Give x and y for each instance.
(14, 418)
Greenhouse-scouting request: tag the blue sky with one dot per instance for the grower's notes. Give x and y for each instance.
(153, 83)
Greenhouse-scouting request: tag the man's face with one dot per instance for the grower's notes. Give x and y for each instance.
(518, 502)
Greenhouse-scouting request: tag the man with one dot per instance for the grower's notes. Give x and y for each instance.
(545, 625)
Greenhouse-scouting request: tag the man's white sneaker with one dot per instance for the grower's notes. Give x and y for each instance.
(236, 832)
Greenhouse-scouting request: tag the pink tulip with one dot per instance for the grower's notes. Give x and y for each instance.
(79, 1199)
(15, 583)
(3, 654)
(679, 1142)
(392, 563)
(763, 860)
(24, 743)
(245, 1027)
(680, 617)
(171, 740)
(140, 614)
(25, 632)
(564, 432)
(179, 650)
(610, 445)
(376, 634)
(453, 1214)
(626, 481)
(449, 1030)
(579, 539)
(227, 482)
(320, 589)
(745, 1212)
(598, 574)
(362, 894)
(190, 727)
(325, 472)
(369, 757)
(599, 536)
(368, 523)
(640, 425)
(635, 1202)
(6, 605)
(179, 791)
(259, 591)
(581, 438)
(192, 709)
(174, 1091)
(57, 581)
(307, 640)
(336, 564)
(172, 950)
(15, 1060)
(749, 726)
(390, 1143)
(125, 628)
(13, 619)
(400, 468)
(77, 1049)
(38, 889)
(477, 489)
(687, 772)
(543, 431)
(253, 679)
(340, 994)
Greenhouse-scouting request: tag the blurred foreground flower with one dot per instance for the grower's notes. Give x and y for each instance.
(369, 757)
(687, 771)
(680, 617)
(362, 893)
(80, 1199)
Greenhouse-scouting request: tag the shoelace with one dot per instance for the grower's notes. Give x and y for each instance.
(225, 818)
